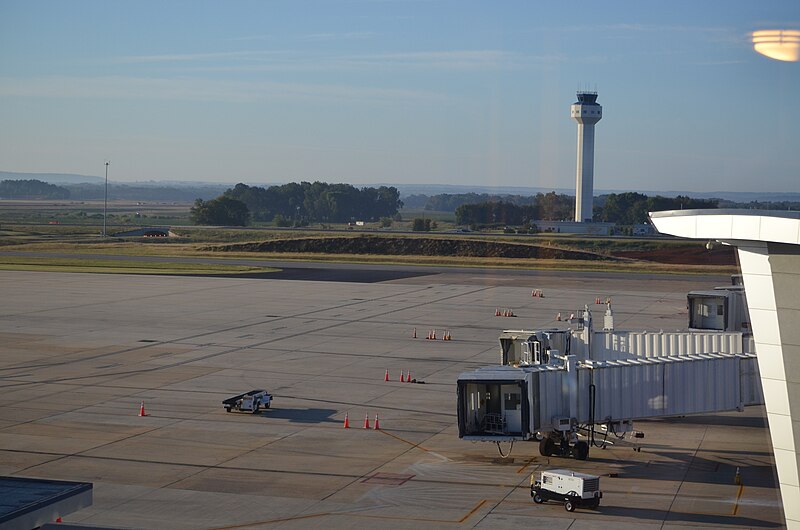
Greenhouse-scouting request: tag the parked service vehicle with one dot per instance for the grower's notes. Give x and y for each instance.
(248, 402)
(575, 490)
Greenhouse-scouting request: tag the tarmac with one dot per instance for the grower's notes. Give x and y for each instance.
(81, 353)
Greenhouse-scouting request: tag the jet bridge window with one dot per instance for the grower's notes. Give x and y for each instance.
(533, 354)
(511, 401)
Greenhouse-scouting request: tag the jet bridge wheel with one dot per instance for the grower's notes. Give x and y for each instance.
(581, 451)
(546, 446)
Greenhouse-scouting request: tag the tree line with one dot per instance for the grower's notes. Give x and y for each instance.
(298, 204)
(448, 202)
(622, 208)
(31, 189)
(631, 208)
(545, 206)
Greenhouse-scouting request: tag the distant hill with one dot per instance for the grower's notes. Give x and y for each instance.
(82, 187)
(736, 196)
(52, 178)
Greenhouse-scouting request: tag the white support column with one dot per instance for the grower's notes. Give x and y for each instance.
(768, 246)
(783, 412)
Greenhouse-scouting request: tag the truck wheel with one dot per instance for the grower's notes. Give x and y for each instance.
(255, 409)
(537, 498)
(227, 409)
(267, 406)
(546, 447)
(581, 451)
(569, 506)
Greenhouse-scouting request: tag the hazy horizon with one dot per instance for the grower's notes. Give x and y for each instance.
(404, 92)
(410, 188)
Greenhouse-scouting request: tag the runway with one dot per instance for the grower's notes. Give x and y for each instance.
(80, 352)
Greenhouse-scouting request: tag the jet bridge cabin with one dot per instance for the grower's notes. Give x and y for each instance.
(495, 403)
(521, 348)
(722, 309)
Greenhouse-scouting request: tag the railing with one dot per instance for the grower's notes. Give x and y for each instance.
(494, 424)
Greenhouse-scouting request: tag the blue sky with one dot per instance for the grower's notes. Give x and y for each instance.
(399, 91)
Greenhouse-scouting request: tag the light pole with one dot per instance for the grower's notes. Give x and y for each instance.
(105, 201)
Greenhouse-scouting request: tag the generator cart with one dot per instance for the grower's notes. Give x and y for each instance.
(575, 490)
(248, 402)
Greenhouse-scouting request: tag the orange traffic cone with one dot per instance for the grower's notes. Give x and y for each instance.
(377, 425)
(558, 317)
(141, 410)
(497, 312)
(415, 333)
(408, 379)
(366, 421)
(386, 376)
(58, 519)
(433, 337)
(346, 420)
(402, 377)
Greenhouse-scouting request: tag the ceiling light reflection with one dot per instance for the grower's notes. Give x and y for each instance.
(779, 44)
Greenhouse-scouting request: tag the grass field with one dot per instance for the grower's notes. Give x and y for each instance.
(110, 266)
(51, 241)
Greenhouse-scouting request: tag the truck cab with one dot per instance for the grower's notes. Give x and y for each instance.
(248, 402)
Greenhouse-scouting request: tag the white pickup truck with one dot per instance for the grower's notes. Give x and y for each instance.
(248, 402)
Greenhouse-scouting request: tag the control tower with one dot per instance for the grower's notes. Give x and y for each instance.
(586, 111)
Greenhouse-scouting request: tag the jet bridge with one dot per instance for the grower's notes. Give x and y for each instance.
(553, 383)
(552, 402)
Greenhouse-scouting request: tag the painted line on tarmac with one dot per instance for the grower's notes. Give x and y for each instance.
(412, 444)
(523, 468)
(738, 497)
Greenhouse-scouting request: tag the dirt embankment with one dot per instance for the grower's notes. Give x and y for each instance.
(670, 254)
(695, 254)
(410, 246)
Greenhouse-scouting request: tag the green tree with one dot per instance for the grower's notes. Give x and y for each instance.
(222, 211)
(317, 202)
(554, 206)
